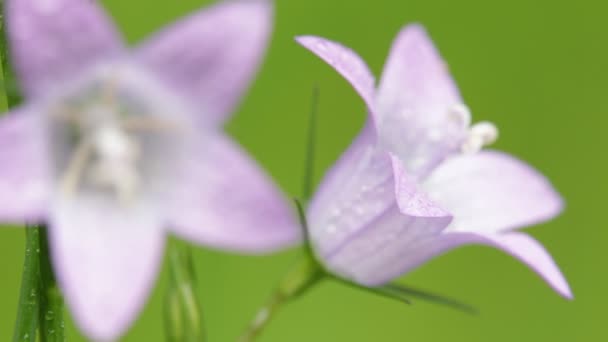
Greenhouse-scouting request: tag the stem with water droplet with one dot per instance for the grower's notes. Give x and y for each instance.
(50, 312)
(27, 310)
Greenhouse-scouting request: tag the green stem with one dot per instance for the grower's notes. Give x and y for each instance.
(12, 98)
(306, 273)
(27, 311)
(51, 302)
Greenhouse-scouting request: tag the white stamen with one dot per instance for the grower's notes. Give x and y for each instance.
(77, 164)
(111, 123)
(113, 143)
(487, 131)
(460, 114)
(117, 157)
(480, 134)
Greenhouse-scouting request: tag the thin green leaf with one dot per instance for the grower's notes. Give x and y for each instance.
(309, 164)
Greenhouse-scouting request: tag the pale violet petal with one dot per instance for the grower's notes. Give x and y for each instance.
(491, 191)
(369, 257)
(24, 181)
(521, 246)
(357, 189)
(532, 253)
(411, 200)
(54, 40)
(212, 56)
(223, 199)
(346, 62)
(421, 117)
(106, 259)
(355, 209)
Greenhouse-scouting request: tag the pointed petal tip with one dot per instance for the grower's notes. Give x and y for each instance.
(415, 32)
(106, 261)
(532, 253)
(231, 39)
(36, 25)
(305, 39)
(227, 201)
(346, 62)
(566, 292)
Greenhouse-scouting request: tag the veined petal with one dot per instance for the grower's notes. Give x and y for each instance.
(421, 117)
(357, 189)
(491, 191)
(519, 245)
(533, 254)
(410, 199)
(372, 256)
(106, 258)
(54, 40)
(212, 56)
(346, 62)
(24, 181)
(355, 212)
(225, 200)
(340, 173)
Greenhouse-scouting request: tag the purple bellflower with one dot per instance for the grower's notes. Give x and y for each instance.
(115, 148)
(416, 182)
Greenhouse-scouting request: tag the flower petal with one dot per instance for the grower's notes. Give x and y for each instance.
(355, 210)
(357, 189)
(491, 191)
(368, 257)
(533, 254)
(346, 62)
(53, 40)
(212, 56)
(421, 117)
(410, 199)
(519, 245)
(24, 182)
(226, 201)
(106, 258)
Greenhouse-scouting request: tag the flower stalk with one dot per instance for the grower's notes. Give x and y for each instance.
(305, 274)
(51, 323)
(183, 316)
(28, 307)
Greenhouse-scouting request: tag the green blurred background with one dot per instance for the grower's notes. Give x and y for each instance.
(538, 69)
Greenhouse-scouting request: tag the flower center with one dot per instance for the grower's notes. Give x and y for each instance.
(107, 135)
(478, 135)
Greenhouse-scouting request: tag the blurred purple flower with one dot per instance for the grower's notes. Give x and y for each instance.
(415, 184)
(111, 148)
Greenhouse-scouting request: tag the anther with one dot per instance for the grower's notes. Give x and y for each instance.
(480, 134)
(460, 114)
